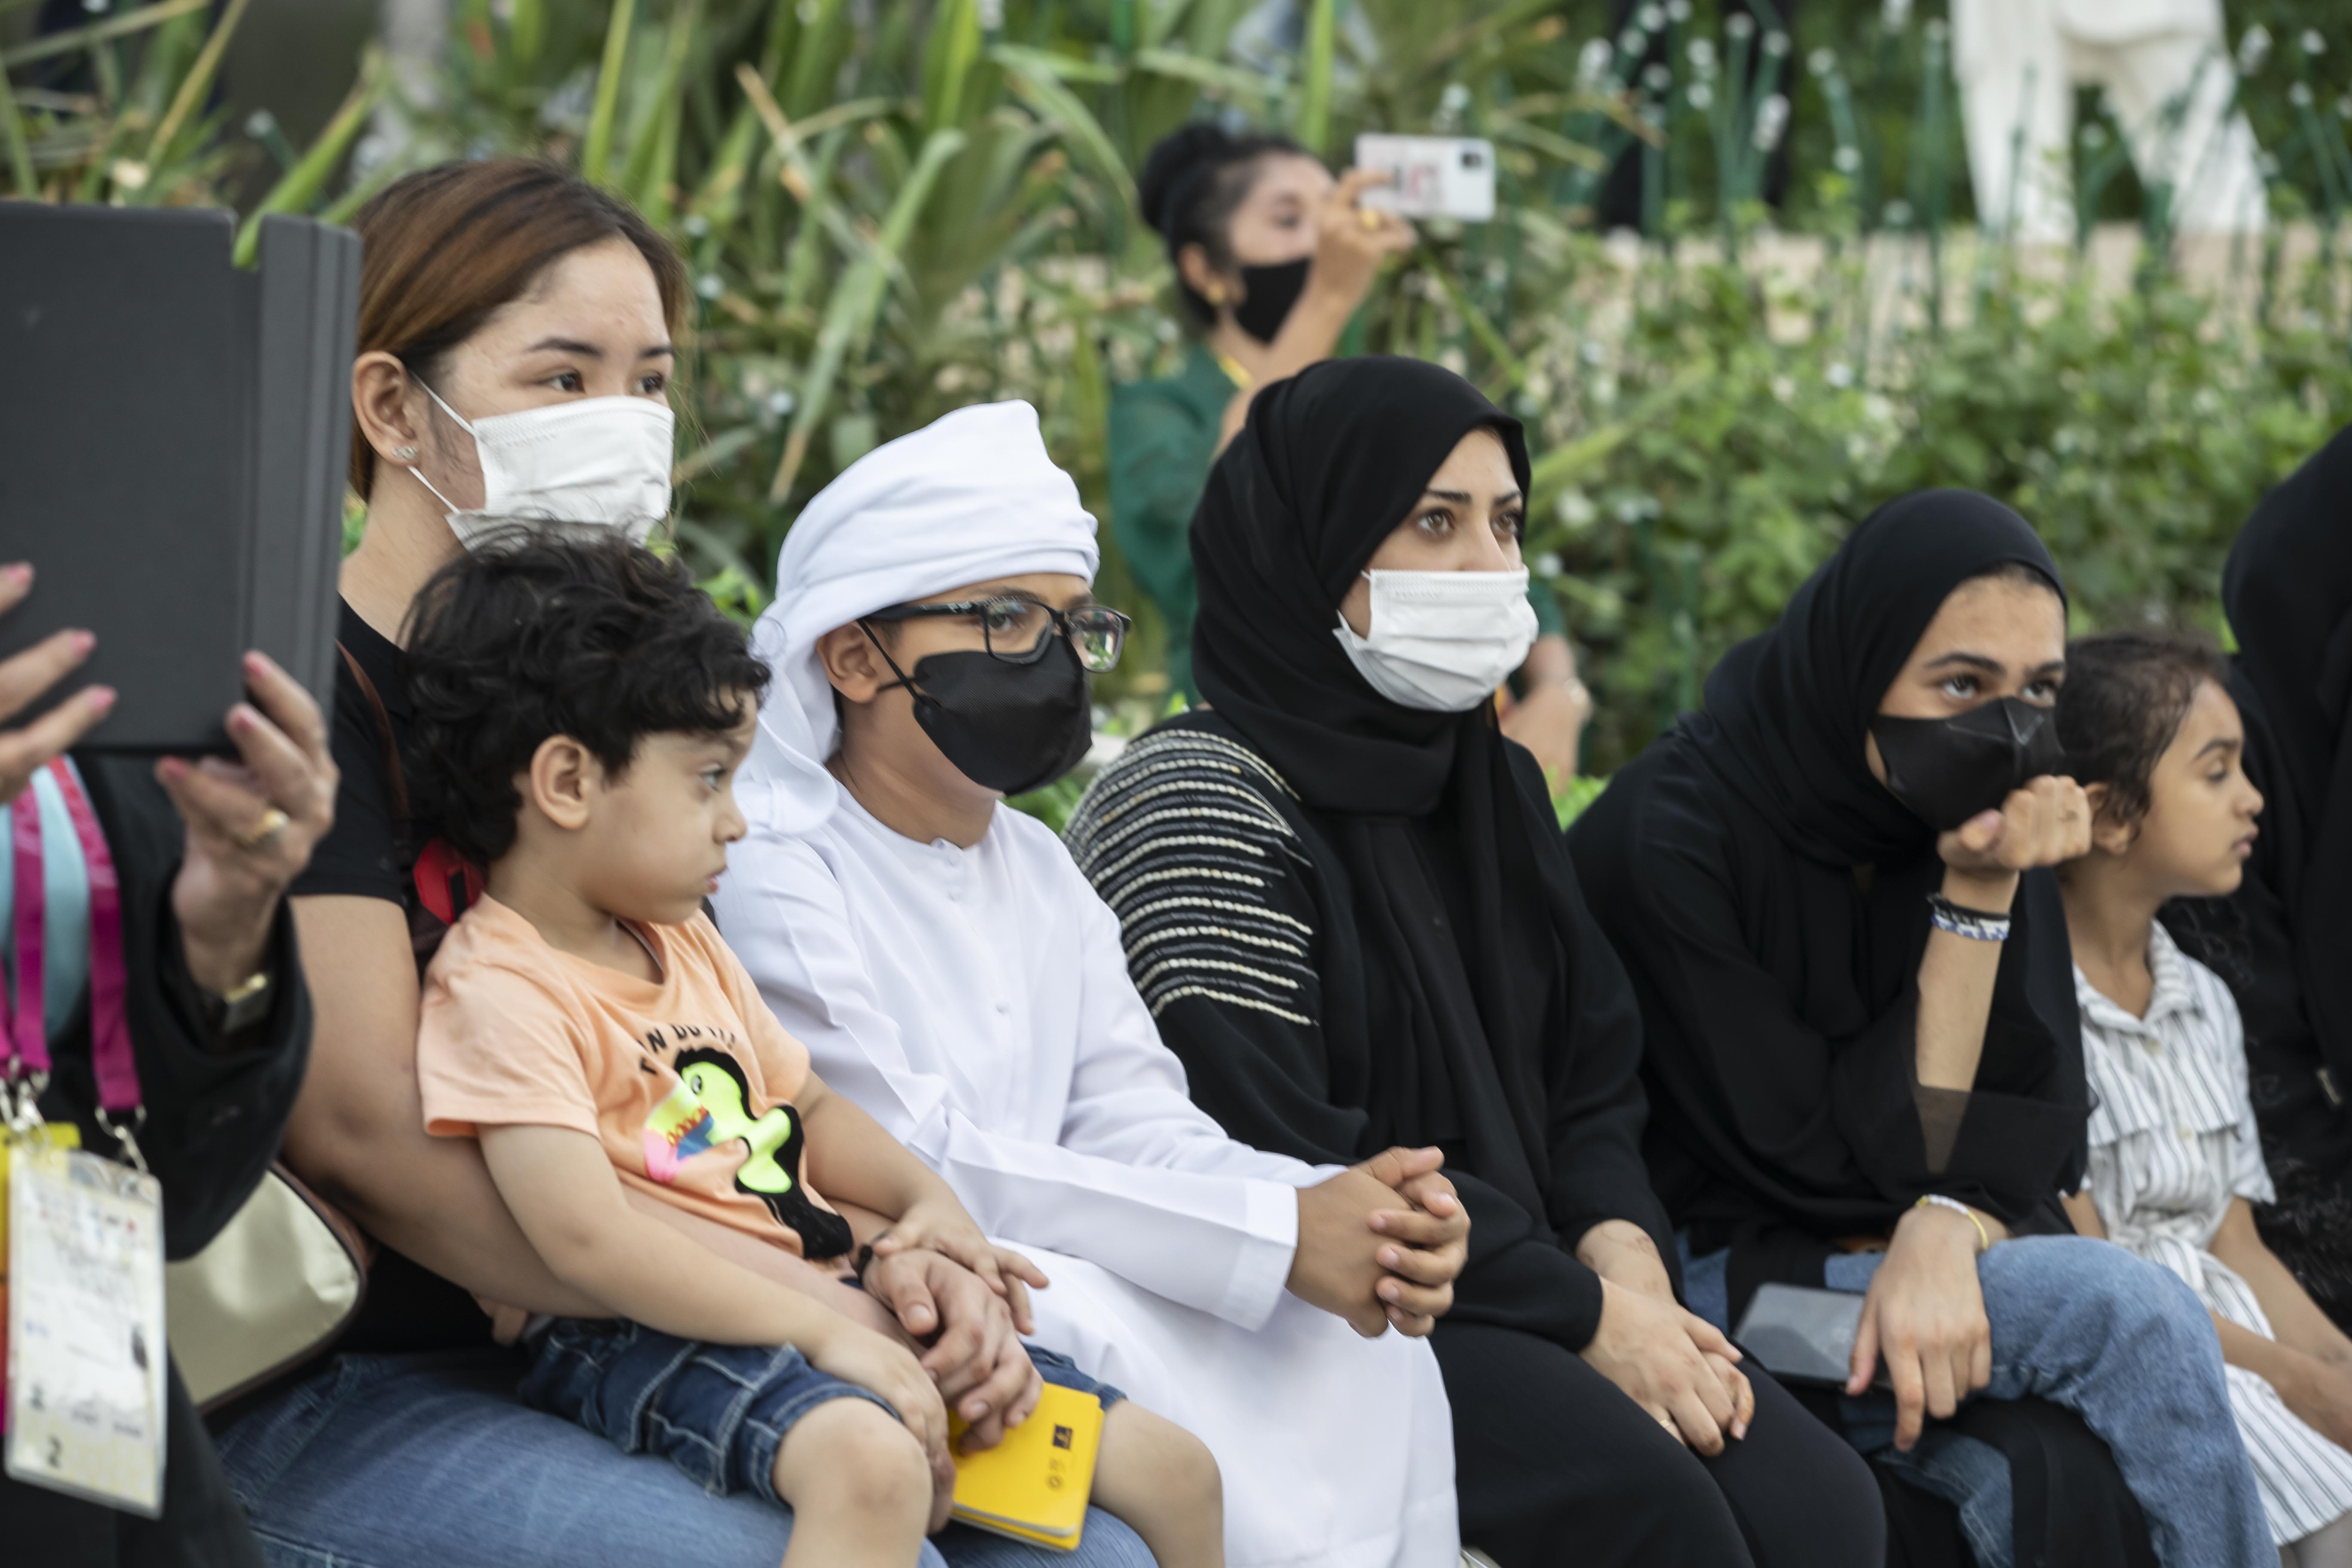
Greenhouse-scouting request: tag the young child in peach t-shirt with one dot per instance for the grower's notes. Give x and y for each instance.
(578, 715)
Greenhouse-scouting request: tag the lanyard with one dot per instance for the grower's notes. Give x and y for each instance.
(26, 1064)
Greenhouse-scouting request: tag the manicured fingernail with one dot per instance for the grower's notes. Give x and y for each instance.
(241, 718)
(1390, 1257)
(17, 573)
(82, 642)
(101, 699)
(1740, 1429)
(174, 769)
(259, 663)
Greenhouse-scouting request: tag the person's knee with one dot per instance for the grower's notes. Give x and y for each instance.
(1159, 1465)
(1188, 1473)
(2107, 1303)
(855, 1457)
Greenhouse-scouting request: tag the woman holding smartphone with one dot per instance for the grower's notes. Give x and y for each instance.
(1273, 259)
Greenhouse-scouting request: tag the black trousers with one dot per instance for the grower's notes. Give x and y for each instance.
(1554, 1466)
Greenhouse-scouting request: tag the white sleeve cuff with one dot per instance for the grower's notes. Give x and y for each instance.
(1262, 1265)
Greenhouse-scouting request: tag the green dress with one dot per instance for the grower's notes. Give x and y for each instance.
(1163, 439)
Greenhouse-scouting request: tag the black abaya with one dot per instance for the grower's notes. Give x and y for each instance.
(2281, 941)
(1357, 924)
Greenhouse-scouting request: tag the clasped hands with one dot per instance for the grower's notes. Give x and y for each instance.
(1671, 1361)
(1380, 1242)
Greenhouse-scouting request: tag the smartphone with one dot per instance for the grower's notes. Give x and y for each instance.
(1431, 176)
(1802, 1335)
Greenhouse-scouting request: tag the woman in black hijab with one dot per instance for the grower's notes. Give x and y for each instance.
(1864, 1065)
(1347, 900)
(2284, 942)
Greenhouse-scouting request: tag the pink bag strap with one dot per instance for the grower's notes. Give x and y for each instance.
(109, 1027)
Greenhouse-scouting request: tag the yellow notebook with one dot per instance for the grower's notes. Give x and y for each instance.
(1033, 1486)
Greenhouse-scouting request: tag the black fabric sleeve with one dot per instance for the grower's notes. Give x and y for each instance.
(361, 854)
(215, 1108)
(1825, 1117)
(1593, 1129)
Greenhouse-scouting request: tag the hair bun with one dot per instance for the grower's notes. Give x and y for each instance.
(1175, 159)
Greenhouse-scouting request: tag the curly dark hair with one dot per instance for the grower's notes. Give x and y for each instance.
(540, 632)
(2125, 697)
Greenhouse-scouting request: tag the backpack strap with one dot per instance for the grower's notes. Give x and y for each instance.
(382, 733)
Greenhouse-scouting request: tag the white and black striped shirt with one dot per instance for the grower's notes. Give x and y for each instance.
(2172, 1144)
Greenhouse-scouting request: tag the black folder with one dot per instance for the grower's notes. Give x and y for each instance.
(174, 436)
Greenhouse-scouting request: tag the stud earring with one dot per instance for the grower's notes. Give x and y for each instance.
(1217, 293)
(405, 453)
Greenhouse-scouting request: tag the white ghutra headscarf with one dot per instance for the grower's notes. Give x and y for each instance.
(970, 497)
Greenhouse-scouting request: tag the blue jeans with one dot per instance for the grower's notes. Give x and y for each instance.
(430, 1461)
(2121, 1344)
(719, 1413)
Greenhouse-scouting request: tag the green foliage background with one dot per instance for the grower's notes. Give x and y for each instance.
(894, 209)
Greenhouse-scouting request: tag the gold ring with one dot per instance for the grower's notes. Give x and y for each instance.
(1368, 218)
(273, 822)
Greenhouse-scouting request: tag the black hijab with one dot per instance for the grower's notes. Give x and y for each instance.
(2288, 592)
(1779, 1024)
(1787, 713)
(1464, 901)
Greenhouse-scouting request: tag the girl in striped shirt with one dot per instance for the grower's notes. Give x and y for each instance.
(2175, 1162)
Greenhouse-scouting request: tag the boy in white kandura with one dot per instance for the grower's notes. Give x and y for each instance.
(580, 712)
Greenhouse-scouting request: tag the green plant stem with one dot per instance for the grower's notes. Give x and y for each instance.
(121, 26)
(596, 150)
(196, 84)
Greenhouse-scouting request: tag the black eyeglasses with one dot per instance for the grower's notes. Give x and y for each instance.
(1016, 630)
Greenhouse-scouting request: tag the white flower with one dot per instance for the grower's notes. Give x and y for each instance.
(1678, 11)
(1776, 44)
(1548, 564)
(1702, 56)
(1657, 79)
(1741, 24)
(1771, 122)
(1701, 95)
(1847, 160)
(1784, 388)
(1454, 98)
(2313, 44)
(992, 15)
(779, 404)
(711, 285)
(695, 225)
(258, 124)
(2253, 48)
(1820, 62)
(1840, 374)
(1894, 16)
(1651, 18)
(2299, 95)
(1576, 510)
(1592, 61)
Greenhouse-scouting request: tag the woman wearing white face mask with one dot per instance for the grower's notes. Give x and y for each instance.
(516, 336)
(1347, 903)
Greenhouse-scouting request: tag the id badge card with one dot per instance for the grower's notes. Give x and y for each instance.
(86, 1346)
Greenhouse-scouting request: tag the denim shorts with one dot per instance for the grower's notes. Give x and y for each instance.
(719, 1413)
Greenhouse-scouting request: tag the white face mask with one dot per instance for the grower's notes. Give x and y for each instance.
(1442, 641)
(599, 462)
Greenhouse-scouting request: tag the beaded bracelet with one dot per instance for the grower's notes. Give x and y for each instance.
(1937, 1200)
(1976, 925)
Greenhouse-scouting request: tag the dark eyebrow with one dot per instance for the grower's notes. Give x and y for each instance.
(1463, 498)
(2222, 743)
(590, 350)
(1972, 660)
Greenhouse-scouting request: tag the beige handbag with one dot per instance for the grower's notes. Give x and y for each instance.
(275, 1287)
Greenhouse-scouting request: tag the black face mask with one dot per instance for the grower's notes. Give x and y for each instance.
(1270, 292)
(1947, 770)
(1009, 727)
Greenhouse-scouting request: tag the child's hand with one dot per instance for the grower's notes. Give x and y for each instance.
(941, 1225)
(859, 1355)
(2321, 1397)
(973, 1354)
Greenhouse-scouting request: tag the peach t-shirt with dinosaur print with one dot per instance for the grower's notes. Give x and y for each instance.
(687, 1080)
